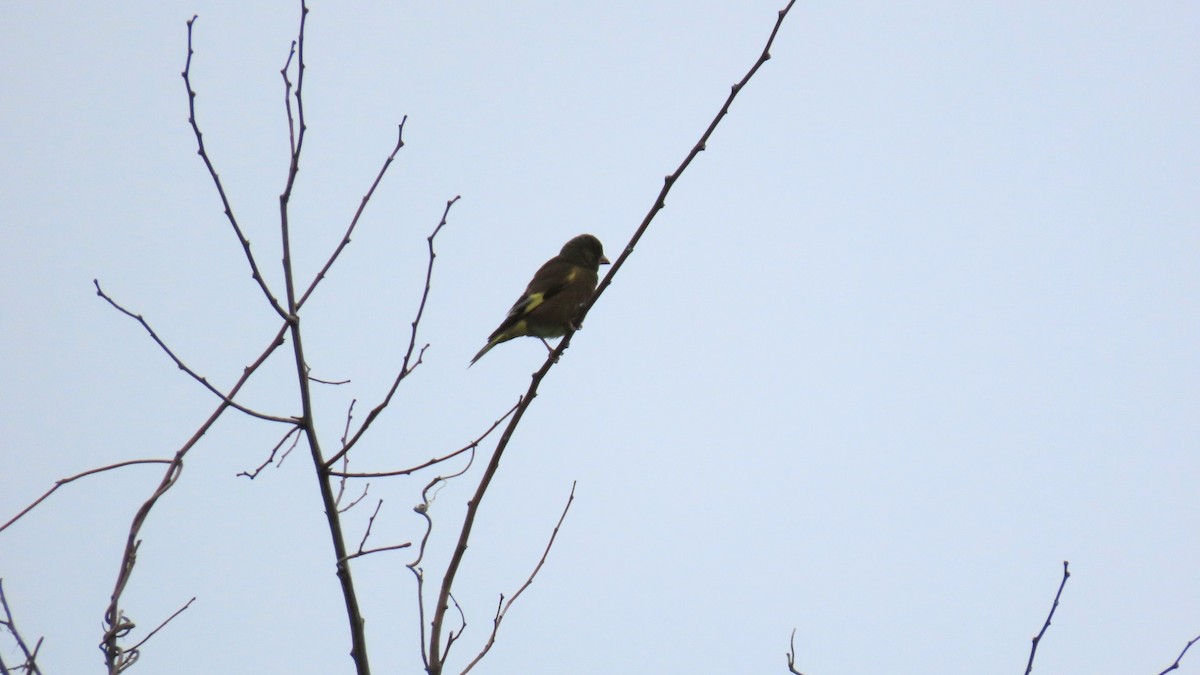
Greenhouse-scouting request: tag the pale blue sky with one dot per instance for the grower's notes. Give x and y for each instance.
(920, 324)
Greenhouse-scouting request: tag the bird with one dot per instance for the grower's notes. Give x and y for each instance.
(551, 302)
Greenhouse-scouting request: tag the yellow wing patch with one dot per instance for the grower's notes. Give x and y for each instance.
(532, 302)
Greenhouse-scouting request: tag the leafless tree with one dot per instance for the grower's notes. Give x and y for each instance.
(440, 629)
(1037, 639)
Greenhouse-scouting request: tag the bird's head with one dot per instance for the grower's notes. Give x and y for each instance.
(585, 251)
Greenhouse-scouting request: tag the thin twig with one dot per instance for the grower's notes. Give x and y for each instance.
(333, 383)
(10, 624)
(503, 607)
(451, 636)
(1186, 647)
(791, 655)
(369, 551)
(114, 617)
(212, 172)
(184, 367)
(436, 460)
(405, 367)
(671, 178)
(1038, 638)
(63, 481)
(362, 205)
(164, 623)
(370, 524)
(294, 431)
(354, 503)
(422, 509)
(436, 657)
(346, 458)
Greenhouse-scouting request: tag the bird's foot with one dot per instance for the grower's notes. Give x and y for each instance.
(549, 348)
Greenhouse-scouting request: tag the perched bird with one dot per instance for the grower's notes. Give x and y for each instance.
(551, 303)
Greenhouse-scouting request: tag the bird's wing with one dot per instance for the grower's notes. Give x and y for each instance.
(549, 281)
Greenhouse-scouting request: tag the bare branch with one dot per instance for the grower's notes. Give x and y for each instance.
(212, 172)
(422, 509)
(369, 551)
(354, 503)
(503, 607)
(334, 383)
(791, 655)
(30, 665)
(114, 618)
(671, 178)
(63, 481)
(405, 368)
(362, 551)
(294, 431)
(297, 129)
(451, 636)
(182, 366)
(164, 623)
(362, 205)
(436, 460)
(1179, 658)
(370, 524)
(436, 657)
(1038, 638)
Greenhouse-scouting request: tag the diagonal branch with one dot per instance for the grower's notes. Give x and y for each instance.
(63, 481)
(791, 655)
(117, 625)
(436, 460)
(362, 205)
(184, 367)
(436, 656)
(162, 625)
(30, 665)
(671, 178)
(212, 172)
(405, 368)
(1179, 658)
(1038, 638)
(503, 607)
(294, 431)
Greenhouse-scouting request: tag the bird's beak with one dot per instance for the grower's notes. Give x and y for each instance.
(604, 261)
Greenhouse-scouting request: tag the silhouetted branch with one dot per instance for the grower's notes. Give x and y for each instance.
(671, 178)
(436, 660)
(362, 205)
(405, 367)
(436, 460)
(212, 172)
(1038, 638)
(182, 366)
(503, 607)
(118, 626)
(361, 553)
(791, 655)
(422, 510)
(1179, 658)
(168, 620)
(63, 481)
(30, 665)
(294, 431)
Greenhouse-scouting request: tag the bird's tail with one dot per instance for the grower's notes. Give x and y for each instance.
(486, 349)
